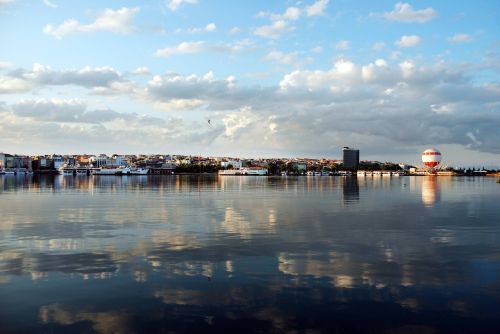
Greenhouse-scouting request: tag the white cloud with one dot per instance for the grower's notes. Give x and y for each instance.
(361, 103)
(460, 38)
(395, 55)
(441, 108)
(234, 30)
(42, 75)
(202, 46)
(283, 58)
(178, 104)
(378, 46)
(234, 122)
(49, 4)
(291, 13)
(473, 137)
(318, 8)
(10, 85)
(317, 49)
(174, 5)
(75, 111)
(279, 23)
(4, 65)
(408, 41)
(407, 68)
(273, 31)
(50, 109)
(143, 70)
(182, 48)
(116, 21)
(5, 2)
(208, 28)
(342, 45)
(404, 12)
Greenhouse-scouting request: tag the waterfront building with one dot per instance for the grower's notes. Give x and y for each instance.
(350, 157)
(100, 160)
(183, 161)
(234, 163)
(119, 160)
(2, 160)
(57, 161)
(7, 161)
(301, 166)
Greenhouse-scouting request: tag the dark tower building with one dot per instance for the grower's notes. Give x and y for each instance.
(350, 157)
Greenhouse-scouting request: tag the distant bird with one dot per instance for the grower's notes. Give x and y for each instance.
(209, 123)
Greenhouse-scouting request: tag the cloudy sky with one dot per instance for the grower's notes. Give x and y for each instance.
(275, 78)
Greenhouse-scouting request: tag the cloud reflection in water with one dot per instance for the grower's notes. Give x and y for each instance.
(261, 249)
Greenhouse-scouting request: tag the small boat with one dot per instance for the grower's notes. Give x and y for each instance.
(82, 171)
(138, 171)
(74, 170)
(67, 170)
(256, 171)
(111, 171)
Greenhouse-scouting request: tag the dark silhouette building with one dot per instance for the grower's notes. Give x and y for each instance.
(350, 157)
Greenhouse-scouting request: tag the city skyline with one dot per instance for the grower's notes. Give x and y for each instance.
(259, 79)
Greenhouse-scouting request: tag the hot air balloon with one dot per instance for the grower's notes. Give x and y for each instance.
(431, 157)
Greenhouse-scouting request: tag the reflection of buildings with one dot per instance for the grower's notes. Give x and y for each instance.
(430, 190)
(350, 189)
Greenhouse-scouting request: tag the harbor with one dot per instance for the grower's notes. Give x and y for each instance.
(171, 164)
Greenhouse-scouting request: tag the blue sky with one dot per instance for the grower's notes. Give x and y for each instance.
(279, 78)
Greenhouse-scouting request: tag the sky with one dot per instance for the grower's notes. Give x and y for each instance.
(252, 78)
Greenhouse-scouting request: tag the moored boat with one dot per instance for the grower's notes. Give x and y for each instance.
(138, 171)
(67, 170)
(110, 171)
(256, 171)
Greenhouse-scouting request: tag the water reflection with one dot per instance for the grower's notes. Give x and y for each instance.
(350, 189)
(430, 190)
(102, 322)
(136, 254)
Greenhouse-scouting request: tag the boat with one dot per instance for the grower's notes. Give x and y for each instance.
(138, 171)
(74, 170)
(82, 171)
(67, 170)
(110, 171)
(256, 171)
(320, 173)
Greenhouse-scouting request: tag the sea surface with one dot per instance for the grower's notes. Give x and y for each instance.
(198, 254)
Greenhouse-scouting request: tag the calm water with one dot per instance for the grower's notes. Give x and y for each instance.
(170, 254)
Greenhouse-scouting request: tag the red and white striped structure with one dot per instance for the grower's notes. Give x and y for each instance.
(431, 157)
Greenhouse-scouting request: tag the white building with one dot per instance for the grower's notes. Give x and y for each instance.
(235, 163)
